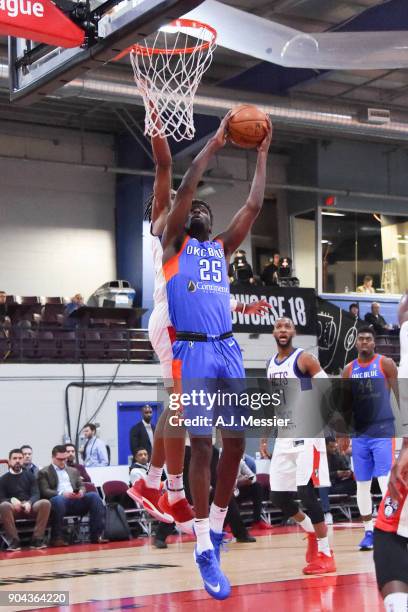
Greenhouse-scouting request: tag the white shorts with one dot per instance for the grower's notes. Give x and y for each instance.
(162, 336)
(295, 462)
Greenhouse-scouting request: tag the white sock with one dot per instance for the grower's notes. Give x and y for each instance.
(175, 487)
(396, 602)
(383, 482)
(153, 477)
(202, 531)
(306, 524)
(368, 525)
(323, 546)
(217, 518)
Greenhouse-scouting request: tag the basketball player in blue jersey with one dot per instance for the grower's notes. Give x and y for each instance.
(195, 268)
(167, 449)
(367, 402)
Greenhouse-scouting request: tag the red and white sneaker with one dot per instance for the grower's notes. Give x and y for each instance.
(262, 525)
(149, 499)
(312, 550)
(322, 564)
(181, 511)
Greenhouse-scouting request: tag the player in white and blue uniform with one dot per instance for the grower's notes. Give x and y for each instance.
(195, 269)
(368, 402)
(299, 460)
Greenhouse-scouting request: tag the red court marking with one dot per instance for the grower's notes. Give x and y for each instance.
(320, 594)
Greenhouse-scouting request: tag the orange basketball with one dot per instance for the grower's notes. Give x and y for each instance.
(247, 126)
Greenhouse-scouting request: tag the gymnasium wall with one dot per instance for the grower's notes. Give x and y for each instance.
(366, 167)
(57, 225)
(32, 396)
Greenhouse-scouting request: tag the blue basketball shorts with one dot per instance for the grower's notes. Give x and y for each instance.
(209, 378)
(372, 457)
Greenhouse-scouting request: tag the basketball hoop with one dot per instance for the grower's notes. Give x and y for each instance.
(168, 69)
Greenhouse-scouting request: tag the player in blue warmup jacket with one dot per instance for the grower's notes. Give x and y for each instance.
(196, 272)
(373, 376)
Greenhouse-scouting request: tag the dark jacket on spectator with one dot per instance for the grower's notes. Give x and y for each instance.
(138, 438)
(82, 471)
(23, 486)
(378, 322)
(33, 469)
(337, 462)
(48, 481)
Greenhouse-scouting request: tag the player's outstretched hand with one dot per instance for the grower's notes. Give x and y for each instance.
(221, 134)
(257, 308)
(399, 475)
(266, 143)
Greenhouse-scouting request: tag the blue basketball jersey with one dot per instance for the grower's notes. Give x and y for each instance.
(372, 409)
(198, 290)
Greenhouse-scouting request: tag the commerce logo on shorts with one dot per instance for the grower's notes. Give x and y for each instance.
(192, 286)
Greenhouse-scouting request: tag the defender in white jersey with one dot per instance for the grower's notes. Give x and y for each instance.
(299, 464)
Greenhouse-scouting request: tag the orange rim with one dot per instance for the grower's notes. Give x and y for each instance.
(140, 49)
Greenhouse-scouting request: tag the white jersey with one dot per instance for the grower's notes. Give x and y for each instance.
(296, 460)
(160, 292)
(300, 402)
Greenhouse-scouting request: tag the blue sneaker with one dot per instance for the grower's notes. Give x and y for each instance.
(215, 583)
(367, 543)
(218, 542)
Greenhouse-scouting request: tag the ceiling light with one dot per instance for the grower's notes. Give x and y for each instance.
(333, 214)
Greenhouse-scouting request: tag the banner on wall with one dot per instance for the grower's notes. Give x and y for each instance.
(337, 335)
(293, 302)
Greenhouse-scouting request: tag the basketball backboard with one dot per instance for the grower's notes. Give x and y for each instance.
(36, 70)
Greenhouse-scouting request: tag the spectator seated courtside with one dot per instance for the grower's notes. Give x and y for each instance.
(248, 489)
(28, 464)
(20, 498)
(71, 462)
(140, 465)
(341, 477)
(62, 485)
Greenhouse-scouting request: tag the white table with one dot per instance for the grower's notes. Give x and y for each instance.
(99, 475)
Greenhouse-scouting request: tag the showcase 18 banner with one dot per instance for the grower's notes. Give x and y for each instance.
(295, 303)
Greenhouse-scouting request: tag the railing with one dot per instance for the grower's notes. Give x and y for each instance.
(50, 345)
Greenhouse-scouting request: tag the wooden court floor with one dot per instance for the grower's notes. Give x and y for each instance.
(135, 575)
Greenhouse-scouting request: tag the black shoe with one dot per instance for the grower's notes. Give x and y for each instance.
(38, 543)
(246, 539)
(14, 546)
(159, 543)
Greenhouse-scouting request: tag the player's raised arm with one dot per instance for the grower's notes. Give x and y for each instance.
(162, 182)
(178, 215)
(243, 220)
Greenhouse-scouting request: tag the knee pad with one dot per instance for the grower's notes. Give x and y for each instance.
(310, 501)
(364, 502)
(284, 500)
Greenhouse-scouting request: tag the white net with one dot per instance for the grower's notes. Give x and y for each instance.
(168, 70)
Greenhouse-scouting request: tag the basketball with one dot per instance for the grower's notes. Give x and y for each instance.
(247, 126)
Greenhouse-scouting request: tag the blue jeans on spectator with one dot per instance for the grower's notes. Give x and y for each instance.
(324, 498)
(90, 503)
